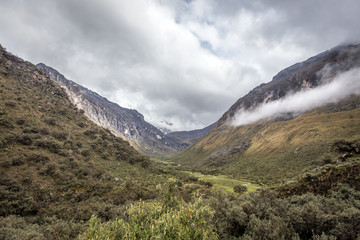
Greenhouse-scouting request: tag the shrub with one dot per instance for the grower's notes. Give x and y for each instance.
(15, 200)
(81, 124)
(327, 158)
(50, 121)
(32, 130)
(17, 161)
(10, 104)
(62, 136)
(44, 131)
(137, 158)
(5, 123)
(25, 140)
(205, 183)
(49, 169)
(240, 189)
(20, 122)
(90, 133)
(146, 164)
(347, 146)
(51, 146)
(86, 153)
(37, 158)
(6, 163)
(15, 227)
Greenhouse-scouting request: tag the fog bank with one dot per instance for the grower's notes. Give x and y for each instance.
(343, 85)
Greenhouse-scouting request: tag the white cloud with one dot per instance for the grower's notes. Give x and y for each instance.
(344, 85)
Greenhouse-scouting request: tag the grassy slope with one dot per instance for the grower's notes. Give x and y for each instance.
(57, 168)
(278, 150)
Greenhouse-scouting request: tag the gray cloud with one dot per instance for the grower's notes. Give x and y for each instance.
(184, 62)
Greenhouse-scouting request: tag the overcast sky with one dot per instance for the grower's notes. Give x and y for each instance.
(180, 61)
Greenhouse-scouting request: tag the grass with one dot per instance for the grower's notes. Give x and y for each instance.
(225, 182)
(280, 150)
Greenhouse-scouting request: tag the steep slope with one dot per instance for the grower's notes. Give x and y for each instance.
(280, 148)
(126, 123)
(57, 168)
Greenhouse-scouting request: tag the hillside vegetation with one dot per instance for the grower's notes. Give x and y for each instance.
(57, 168)
(277, 150)
(270, 151)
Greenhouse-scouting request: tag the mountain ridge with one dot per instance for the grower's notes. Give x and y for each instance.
(288, 80)
(126, 123)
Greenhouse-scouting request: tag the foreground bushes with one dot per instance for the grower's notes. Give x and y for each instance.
(260, 215)
(170, 218)
(264, 215)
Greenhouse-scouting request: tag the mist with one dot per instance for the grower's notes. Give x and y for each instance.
(342, 86)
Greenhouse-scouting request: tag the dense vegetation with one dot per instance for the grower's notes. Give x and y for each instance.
(265, 214)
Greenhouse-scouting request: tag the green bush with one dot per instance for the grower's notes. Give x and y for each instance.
(264, 215)
(240, 189)
(20, 122)
(50, 121)
(62, 136)
(170, 218)
(25, 140)
(6, 123)
(44, 131)
(49, 145)
(14, 199)
(37, 158)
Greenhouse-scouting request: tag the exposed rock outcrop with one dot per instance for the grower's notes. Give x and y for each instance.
(126, 123)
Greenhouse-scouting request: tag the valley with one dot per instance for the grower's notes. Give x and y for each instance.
(126, 123)
(65, 173)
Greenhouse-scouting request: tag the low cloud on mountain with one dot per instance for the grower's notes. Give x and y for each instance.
(342, 86)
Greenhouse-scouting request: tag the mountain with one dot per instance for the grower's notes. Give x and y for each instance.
(126, 123)
(57, 168)
(279, 148)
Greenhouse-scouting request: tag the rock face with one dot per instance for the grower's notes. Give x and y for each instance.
(124, 122)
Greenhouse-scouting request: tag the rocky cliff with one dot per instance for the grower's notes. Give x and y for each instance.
(126, 123)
